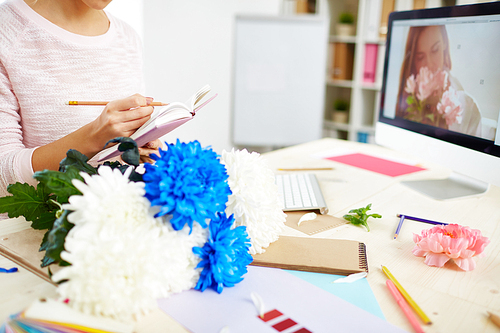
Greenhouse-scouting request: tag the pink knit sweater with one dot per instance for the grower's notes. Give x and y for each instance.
(42, 66)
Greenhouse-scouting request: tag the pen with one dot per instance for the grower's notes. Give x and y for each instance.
(106, 103)
(404, 306)
(421, 220)
(401, 220)
(408, 298)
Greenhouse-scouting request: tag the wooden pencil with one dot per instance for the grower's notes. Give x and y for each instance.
(106, 102)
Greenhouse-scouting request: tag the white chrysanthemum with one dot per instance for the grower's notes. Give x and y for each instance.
(254, 200)
(122, 259)
(108, 196)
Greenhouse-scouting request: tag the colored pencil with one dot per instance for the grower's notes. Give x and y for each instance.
(418, 219)
(408, 298)
(304, 169)
(106, 103)
(401, 220)
(494, 318)
(404, 306)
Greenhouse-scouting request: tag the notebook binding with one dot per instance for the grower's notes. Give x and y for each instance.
(363, 261)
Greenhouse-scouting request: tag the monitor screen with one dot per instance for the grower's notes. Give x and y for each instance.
(440, 95)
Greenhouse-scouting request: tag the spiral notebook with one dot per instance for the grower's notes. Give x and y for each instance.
(321, 255)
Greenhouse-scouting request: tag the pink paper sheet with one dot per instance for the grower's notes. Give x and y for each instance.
(376, 164)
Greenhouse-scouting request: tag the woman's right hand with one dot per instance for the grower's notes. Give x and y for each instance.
(120, 117)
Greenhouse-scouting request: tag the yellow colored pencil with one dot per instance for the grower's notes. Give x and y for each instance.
(408, 298)
(304, 169)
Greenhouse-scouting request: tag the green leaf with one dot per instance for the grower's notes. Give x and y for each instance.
(361, 217)
(78, 160)
(44, 221)
(26, 200)
(47, 261)
(354, 220)
(129, 148)
(56, 238)
(45, 242)
(410, 100)
(59, 183)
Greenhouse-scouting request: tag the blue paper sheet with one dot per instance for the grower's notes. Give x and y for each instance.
(358, 293)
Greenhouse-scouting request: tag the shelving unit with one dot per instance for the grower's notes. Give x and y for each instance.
(363, 97)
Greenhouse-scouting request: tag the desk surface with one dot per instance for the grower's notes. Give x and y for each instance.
(455, 301)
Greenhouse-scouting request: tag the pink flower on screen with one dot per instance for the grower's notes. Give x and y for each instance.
(411, 84)
(444, 242)
(428, 82)
(450, 107)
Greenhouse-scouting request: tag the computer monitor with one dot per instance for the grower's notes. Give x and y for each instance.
(440, 97)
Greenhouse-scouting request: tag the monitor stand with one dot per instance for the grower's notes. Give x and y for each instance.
(454, 186)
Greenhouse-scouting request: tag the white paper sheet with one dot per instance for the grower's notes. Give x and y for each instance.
(309, 306)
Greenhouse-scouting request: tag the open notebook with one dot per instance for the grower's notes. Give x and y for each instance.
(163, 120)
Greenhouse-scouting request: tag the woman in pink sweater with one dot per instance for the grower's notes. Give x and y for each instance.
(60, 50)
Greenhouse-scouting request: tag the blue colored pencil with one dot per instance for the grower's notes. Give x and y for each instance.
(418, 219)
(401, 220)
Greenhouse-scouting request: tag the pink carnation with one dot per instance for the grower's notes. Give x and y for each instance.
(429, 82)
(444, 242)
(411, 84)
(450, 107)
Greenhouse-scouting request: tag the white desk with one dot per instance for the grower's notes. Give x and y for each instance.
(455, 301)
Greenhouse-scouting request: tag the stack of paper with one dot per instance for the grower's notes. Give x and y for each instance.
(47, 316)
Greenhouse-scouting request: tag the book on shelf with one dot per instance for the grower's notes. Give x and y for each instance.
(418, 4)
(380, 63)
(343, 61)
(305, 6)
(372, 13)
(370, 67)
(387, 8)
(163, 120)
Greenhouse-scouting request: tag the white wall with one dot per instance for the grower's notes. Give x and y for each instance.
(189, 43)
(131, 11)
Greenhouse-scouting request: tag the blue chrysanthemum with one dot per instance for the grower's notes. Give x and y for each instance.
(187, 181)
(225, 256)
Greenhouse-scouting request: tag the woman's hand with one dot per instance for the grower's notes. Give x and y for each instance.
(148, 149)
(120, 118)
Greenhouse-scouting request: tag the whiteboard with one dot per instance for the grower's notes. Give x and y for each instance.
(279, 80)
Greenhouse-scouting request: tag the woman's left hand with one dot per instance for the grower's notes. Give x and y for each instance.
(148, 149)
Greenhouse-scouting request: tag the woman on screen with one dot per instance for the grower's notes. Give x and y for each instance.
(428, 93)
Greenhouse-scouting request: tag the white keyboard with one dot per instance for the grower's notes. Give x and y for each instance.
(300, 191)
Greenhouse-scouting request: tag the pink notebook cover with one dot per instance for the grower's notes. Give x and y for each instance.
(155, 133)
(376, 164)
(149, 136)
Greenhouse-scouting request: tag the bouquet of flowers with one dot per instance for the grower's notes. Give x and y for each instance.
(431, 100)
(128, 234)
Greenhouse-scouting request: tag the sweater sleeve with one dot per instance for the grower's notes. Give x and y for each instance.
(15, 158)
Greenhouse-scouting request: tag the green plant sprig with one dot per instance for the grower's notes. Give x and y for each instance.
(361, 218)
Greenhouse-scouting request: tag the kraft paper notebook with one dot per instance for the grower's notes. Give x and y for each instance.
(22, 248)
(331, 256)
